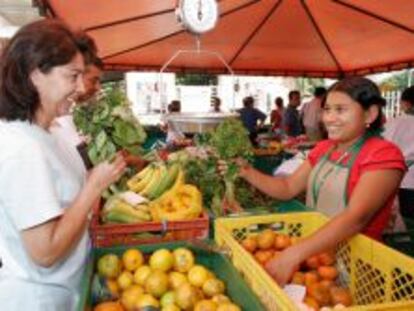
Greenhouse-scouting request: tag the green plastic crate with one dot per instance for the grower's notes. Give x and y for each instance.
(236, 287)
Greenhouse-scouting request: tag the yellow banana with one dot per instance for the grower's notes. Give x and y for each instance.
(180, 180)
(152, 182)
(138, 186)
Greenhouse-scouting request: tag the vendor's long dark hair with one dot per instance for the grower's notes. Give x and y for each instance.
(366, 93)
(43, 44)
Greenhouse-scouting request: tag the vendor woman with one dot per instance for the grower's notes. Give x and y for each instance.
(352, 177)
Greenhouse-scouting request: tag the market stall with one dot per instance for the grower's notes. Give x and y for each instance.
(181, 195)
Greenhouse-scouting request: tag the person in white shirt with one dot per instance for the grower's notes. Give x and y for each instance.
(400, 131)
(312, 115)
(63, 127)
(44, 208)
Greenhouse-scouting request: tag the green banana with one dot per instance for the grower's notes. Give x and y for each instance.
(153, 183)
(119, 217)
(129, 210)
(166, 182)
(140, 185)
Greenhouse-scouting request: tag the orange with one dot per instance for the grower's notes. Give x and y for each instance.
(175, 279)
(328, 272)
(130, 296)
(249, 244)
(262, 256)
(172, 307)
(341, 295)
(109, 306)
(266, 239)
(161, 259)
(228, 306)
(125, 280)
(205, 305)
(298, 278)
(186, 296)
(183, 259)
(282, 241)
(220, 299)
(167, 299)
(311, 277)
(146, 300)
(213, 287)
(320, 293)
(312, 262)
(327, 258)
(109, 266)
(198, 275)
(141, 274)
(157, 283)
(311, 302)
(132, 259)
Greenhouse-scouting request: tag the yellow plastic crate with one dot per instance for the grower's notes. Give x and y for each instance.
(379, 277)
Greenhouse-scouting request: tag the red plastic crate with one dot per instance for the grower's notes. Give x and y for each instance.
(104, 235)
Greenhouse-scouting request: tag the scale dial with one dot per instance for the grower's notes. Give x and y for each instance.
(198, 16)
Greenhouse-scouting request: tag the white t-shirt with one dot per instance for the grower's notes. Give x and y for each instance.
(67, 139)
(36, 184)
(401, 132)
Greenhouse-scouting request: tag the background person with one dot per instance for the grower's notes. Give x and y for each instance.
(44, 209)
(215, 104)
(252, 118)
(352, 177)
(312, 115)
(276, 116)
(401, 132)
(174, 134)
(291, 118)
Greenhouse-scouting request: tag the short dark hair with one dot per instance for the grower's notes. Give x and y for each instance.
(40, 45)
(279, 102)
(87, 47)
(248, 101)
(364, 92)
(89, 50)
(408, 95)
(292, 93)
(216, 100)
(174, 106)
(319, 91)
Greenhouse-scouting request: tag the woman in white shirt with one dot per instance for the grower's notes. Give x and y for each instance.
(43, 206)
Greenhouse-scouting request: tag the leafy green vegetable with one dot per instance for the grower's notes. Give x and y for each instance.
(203, 173)
(110, 124)
(231, 140)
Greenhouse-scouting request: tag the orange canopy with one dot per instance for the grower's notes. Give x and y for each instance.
(264, 37)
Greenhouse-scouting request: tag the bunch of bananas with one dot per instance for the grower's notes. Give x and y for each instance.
(118, 209)
(154, 180)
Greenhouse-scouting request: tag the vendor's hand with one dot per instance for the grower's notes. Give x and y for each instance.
(241, 163)
(282, 267)
(105, 173)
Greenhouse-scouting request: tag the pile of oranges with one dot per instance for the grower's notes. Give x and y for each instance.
(165, 280)
(318, 273)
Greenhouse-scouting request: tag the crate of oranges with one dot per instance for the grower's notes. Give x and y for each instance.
(167, 276)
(361, 274)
